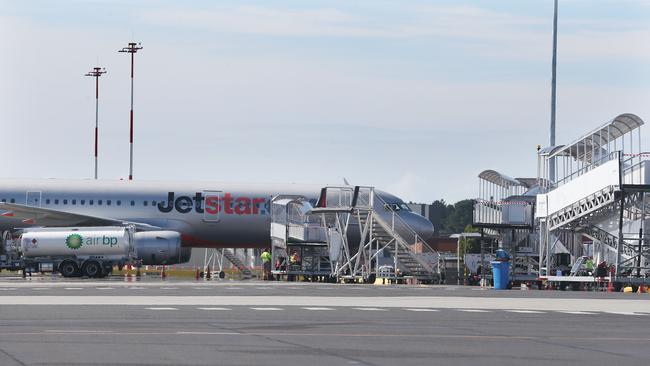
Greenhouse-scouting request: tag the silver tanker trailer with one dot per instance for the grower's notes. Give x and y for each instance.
(89, 251)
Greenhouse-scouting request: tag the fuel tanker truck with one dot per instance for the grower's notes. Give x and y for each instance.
(90, 251)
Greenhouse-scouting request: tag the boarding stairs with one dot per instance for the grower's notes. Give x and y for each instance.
(232, 258)
(607, 240)
(402, 250)
(583, 207)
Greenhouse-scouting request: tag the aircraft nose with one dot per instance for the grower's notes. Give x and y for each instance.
(423, 227)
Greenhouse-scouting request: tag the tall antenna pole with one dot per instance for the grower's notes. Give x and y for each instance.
(132, 48)
(96, 72)
(553, 90)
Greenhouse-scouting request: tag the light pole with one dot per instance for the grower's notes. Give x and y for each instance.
(132, 48)
(96, 72)
(553, 90)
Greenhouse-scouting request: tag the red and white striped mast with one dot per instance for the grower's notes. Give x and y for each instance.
(132, 49)
(96, 73)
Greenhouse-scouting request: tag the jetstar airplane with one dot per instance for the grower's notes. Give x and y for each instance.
(206, 215)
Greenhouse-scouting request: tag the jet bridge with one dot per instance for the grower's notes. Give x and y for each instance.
(344, 236)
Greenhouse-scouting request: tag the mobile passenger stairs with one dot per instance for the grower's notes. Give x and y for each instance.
(345, 237)
(594, 203)
(504, 213)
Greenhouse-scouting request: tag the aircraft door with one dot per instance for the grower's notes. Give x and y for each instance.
(212, 203)
(33, 199)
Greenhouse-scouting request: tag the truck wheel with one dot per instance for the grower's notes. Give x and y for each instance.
(68, 269)
(92, 269)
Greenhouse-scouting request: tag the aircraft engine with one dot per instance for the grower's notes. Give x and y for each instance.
(160, 247)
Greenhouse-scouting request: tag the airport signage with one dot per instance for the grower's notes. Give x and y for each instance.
(225, 203)
(76, 241)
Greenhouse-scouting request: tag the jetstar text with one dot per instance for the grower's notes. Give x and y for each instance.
(213, 204)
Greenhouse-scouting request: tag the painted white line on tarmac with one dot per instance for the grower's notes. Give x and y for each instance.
(136, 288)
(105, 288)
(77, 331)
(162, 308)
(233, 288)
(624, 313)
(169, 288)
(267, 309)
(224, 309)
(434, 302)
(474, 310)
(7, 289)
(422, 309)
(317, 308)
(526, 311)
(208, 333)
(370, 309)
(74, 288)
(577, 312)
(40, 288)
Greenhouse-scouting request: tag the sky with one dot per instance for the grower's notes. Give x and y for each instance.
(413, 97)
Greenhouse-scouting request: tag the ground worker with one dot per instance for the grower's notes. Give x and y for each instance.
(589, 265)
(266, 265)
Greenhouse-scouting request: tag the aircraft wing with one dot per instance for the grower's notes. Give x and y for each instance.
(20, 215)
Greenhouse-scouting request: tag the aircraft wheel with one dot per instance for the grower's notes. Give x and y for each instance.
(222, 274)
(68, 269)
(92, 269)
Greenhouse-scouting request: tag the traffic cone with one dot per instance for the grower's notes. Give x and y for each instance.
(162, 273)
(197, 274)
(208, 274)
(610, 286)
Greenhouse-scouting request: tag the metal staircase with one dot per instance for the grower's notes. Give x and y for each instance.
(358, 226)
(604, 238)
(232, 258)
(402, 251)
(584, 207)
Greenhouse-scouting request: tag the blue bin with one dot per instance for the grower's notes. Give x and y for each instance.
(500, 274)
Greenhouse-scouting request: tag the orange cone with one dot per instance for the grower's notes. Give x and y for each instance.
(641, 289)
(610, 286)
(208, 275)
(197, 274)
(162, 273)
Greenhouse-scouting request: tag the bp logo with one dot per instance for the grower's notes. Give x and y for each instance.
(74, 241)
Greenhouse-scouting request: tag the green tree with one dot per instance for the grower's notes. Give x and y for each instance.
(460, 216)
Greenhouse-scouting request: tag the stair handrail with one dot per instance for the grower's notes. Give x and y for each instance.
(397, 218)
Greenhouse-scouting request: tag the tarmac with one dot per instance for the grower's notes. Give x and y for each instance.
(46, 321)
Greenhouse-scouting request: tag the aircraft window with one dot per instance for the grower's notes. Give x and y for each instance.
(13, 200)
(74, 202)
(65, 202)
(47, 201)
(4, 200)
(393, 207)
(132, 203)
(56, 201)
(108, 202)
(99, 202)
(145, 203)
(82, 202)
(405, 207)
(91, 202)
(119, 203)
(153, 203)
